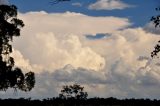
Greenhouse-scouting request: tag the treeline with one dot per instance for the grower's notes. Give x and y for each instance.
(79, 102)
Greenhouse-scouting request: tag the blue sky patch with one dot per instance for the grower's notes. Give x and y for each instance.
(97, 36)
(139, 14)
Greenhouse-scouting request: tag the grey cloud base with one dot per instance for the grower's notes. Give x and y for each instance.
(108, 85)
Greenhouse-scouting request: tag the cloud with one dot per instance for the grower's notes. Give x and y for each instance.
(128, 65)
(20, 61)
(116, 65)
(124, 74)
(51, 42)
(77, 4)
(45, 87)
(47, 51)
(142, 58)
(79, 75)
(108, 5)
(150, 27)
(3, 2)
(60, 23)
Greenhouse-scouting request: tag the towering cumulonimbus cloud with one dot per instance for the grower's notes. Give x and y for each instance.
(117, 65)
(60, 42)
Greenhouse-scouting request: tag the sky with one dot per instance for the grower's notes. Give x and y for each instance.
(138, 12)
(103, 45)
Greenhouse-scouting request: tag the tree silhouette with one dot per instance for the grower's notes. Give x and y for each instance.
(11, 76)
(74, 91)
(156, 22)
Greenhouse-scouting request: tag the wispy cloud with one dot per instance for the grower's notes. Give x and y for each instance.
(3, 2)
(77, 4)
(108, 5)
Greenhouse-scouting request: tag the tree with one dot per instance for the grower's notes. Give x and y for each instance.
(74, 91)
(156, 22)
(11, 76)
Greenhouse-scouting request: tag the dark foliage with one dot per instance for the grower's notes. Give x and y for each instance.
(156, 22)
(79, 102)
(73, 91)
(156, 50)
(11, 76)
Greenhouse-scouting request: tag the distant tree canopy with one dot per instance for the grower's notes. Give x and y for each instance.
(11, 76)
(156, 22)
(74, 91)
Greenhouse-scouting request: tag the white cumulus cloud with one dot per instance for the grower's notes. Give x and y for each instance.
(53, 40)
(108, 5)
(49, 52)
